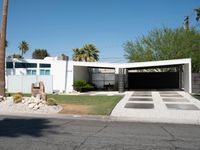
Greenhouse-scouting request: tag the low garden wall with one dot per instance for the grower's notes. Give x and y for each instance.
(195, 82)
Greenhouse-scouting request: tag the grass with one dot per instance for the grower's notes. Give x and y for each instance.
(96, 105)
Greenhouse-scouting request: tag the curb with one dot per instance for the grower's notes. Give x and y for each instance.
(105, 118)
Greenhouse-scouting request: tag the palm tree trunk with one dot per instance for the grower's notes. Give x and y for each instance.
(2, 48)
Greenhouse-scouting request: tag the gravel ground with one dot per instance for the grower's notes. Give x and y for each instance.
(8, 106)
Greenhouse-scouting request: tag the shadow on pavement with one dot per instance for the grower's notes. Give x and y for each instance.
(12, 127)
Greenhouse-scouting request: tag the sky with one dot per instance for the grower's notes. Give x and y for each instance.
(61, 25)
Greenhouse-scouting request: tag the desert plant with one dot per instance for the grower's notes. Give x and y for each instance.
(51, 102)
(17, 98)
(82, 86)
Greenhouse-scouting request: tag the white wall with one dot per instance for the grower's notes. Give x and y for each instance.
(69, 77)
(57, 71)
(22, 83)
(187, 78)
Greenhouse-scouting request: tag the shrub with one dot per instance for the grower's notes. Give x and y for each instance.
(20, 93)
(82, 86)
(51, 102)
(17, 98)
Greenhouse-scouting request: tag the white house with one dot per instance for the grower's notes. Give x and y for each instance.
(59, 75)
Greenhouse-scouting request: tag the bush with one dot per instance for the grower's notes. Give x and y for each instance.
(82, 86)
(17, 98)
(51, 102)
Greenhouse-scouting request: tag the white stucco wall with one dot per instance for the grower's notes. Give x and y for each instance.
(187, 73)
(57, 71)
(69, 77)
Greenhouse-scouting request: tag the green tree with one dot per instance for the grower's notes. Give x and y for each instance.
(18, 56)
(89, 53)
(164, 44)
(24, 47)
(2, 47)
(40, 54)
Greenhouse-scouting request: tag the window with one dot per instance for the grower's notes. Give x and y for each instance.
(9, 65)
(31, 72)
(45, 65)
(44, 72)
(25, 65)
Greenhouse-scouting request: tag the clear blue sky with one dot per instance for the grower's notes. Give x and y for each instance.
(60, 25)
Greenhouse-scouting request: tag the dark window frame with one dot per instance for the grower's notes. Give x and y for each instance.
(45, 65)
(9, 65)
(25, 65)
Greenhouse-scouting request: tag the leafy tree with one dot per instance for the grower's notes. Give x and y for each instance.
(40, 54)
(18, 56)
(164, 44)
(2, 47)
(24, 47)
(89, 53)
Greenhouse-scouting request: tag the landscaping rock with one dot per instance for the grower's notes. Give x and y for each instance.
(28, 105)
(31, 105)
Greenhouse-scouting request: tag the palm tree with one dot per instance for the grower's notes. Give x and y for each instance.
(24, 47)
(2, 48)
(89, 53)
(78, 54)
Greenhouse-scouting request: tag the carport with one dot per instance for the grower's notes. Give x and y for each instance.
(168, 77)
(166, 74)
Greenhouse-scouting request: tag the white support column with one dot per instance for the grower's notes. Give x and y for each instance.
(69, 76)
(188, 77)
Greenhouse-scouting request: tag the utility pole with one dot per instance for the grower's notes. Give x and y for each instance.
(187, 23)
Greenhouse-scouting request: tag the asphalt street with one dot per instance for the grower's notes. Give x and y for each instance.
(25, 133)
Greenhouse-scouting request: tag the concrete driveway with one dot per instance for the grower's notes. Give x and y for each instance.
(158, 106)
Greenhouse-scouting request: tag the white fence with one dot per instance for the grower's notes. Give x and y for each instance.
(22, 83)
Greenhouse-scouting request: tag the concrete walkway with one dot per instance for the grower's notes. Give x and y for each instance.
(158, 106)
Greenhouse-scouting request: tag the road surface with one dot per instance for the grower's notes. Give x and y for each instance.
(25, 133)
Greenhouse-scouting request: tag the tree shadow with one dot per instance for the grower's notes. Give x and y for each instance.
(12, 127)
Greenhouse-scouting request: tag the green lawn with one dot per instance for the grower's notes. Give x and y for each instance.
(100, 105)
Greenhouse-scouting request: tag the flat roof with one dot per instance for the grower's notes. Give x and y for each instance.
(147, 64)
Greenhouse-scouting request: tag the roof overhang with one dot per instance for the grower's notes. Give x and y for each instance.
(152, 64)
(148, 64)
